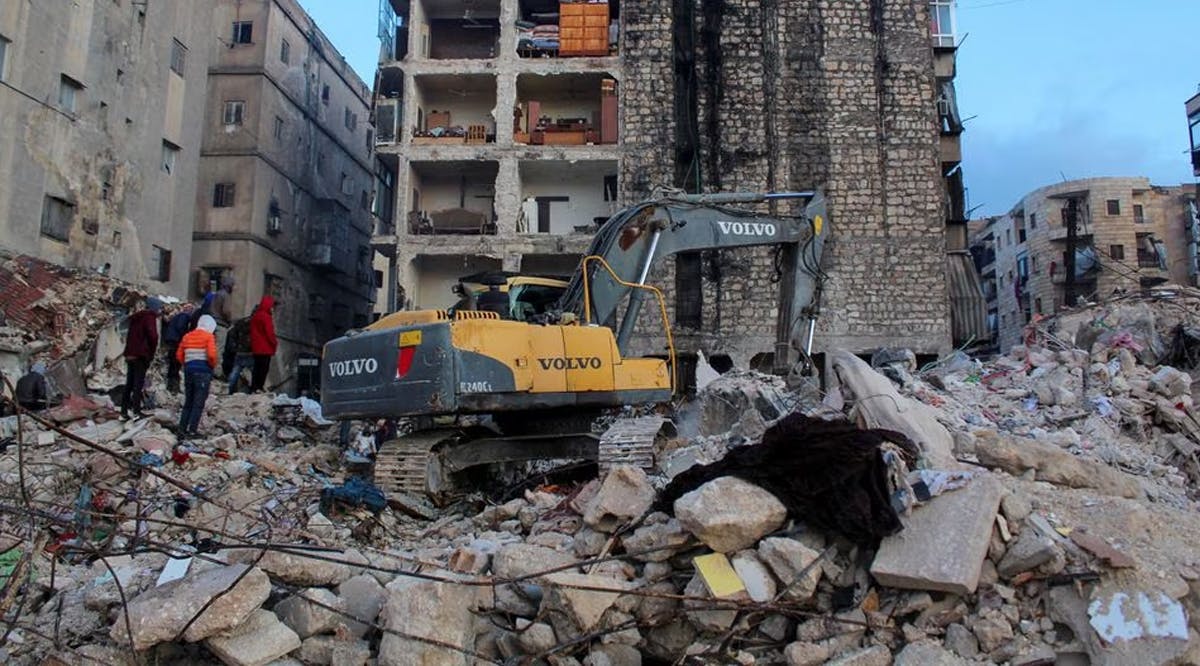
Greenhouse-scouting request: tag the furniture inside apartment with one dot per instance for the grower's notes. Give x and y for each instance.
(459, 221)
(583, 28)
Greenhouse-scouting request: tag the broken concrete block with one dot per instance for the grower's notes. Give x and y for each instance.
(624, 495)
(1169, 382)
(296, 568)
(792, 563)
(162, 612)
(535, 637)
(432, 610)
(961, 641)
(585, 607)
(804, 653)
(517, 560)
(729, 514)
(943, 543)
(318, 650)
(350, 653)
(701, 614)
(613, 654)
(756, 578)
(261, 639)
(363, 598)
(658, 542)
(1030, 551)
(1016, 455)
(992, 630)
(876, 655)
(927, 653)
(307, 618)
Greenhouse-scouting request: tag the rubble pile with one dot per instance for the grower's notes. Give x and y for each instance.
(1035, 508)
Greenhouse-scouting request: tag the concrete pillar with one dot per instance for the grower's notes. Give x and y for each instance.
(506, 99)
(508, 196)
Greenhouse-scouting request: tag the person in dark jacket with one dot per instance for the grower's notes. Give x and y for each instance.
(32, 392)
(237, 350)
(140, 345)
(263, 343)
(173, 331)
(204, 309)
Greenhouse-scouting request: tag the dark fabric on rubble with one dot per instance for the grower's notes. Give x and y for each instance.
(32, 392)
(829, 474)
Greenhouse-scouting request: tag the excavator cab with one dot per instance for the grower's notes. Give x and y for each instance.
(528, 295)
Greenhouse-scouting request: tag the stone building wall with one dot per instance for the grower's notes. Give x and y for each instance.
(790, 96)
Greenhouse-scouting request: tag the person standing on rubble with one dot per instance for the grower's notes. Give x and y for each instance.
(140, 345)
(198, 354)
(263, 343)
(173, 331)
(237, 351)
(204, 309)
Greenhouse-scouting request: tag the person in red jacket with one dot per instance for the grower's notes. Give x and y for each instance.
(262, 342)
(140, 345)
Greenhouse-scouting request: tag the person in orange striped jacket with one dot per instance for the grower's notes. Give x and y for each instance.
(198, 354)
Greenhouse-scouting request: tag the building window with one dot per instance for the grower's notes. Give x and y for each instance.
(1139, 214)
(1033, 264)
(347, 184)
(235, 112)
(169, 152)
(3, 55)
(68, 90)
(223, 195)
(321, 163)
(178, 56)
(1033, 220)
(1008, 236)
(278, 128)
(243, 32)
(351, 120)
(1117, 252)
(365, 200)
(1113, 206)
(274, 217)
(285, 52)
(325, 94)
(57, 217)
(941, 15)
(162, 264)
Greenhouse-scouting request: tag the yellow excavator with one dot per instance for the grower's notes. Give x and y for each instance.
(491, 388)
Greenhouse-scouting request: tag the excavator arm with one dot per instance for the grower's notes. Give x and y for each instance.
(637, 238)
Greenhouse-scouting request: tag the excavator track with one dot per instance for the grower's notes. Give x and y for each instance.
(409, 463)
(631, 441)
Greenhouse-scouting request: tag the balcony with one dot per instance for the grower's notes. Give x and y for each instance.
(329, 239)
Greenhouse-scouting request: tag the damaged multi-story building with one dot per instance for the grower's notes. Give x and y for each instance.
(1083, 240)
(100, 132)
(510, 129)
(286, 177)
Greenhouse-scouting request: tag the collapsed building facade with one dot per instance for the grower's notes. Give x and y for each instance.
(510, 130)
(100, 114)
(1128, 235)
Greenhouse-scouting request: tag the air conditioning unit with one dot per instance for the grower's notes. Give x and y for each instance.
(274, 224)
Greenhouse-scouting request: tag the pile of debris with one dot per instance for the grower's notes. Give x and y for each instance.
(1036, 508)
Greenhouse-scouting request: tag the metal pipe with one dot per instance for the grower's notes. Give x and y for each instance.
(635, 295)
(812, 329)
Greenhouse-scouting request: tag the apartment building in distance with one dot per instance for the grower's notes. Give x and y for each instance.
(101, 107)
(286, 177)
(510, 129)
(1129, 234)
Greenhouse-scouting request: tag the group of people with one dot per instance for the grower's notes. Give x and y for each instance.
(189, 341)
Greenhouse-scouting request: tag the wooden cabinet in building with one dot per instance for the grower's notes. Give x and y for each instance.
(583, 29)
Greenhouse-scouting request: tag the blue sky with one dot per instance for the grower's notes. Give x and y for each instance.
(1057, 88)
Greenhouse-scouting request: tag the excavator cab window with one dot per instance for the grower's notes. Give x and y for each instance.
(529, 300)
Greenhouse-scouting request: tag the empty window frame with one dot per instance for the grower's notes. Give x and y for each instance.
(285, 52)
(1117, 252)
(351, 120)
(224, 195)
(170, 152)
(325, 94)
(243, 32)
(234, 112)
(68, 92)
(57, 217)
(1033, 220)
(178, 57)
(1139, 214)
(278, 128)
(161, 261)
(1113, 206)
